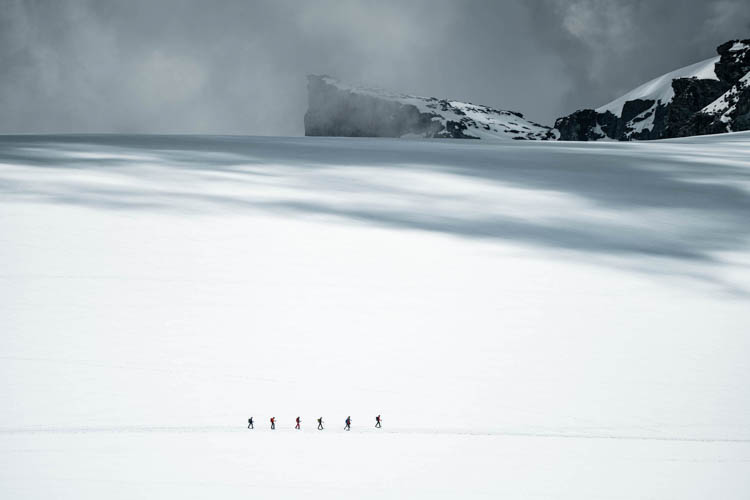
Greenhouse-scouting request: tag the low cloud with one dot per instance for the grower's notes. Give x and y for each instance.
(239, 67)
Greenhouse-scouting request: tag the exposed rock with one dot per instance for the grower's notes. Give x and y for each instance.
(742, 113)
(332, 112)
(734, 62)
(691, 96)
(586, 125)
(633, 108)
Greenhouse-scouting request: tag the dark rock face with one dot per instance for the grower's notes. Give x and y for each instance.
(691, 96)
(633, 108)
(454, 130)
(686, 114)
(586, 125)
(734, 64)
(742, 114)
(701, 124)
(578, 126)
(332, 112)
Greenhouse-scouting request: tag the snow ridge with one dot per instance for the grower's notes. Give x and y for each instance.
(436, 117)
(660, 89)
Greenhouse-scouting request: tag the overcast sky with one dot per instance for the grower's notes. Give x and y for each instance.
(238, 67)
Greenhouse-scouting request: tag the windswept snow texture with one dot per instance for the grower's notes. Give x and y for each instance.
(660, 89)
(532, 319)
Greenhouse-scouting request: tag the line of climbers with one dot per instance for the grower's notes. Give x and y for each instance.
(347, 422)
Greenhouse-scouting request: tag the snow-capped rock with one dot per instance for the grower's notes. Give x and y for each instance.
(708, 97)
(337, 109)
(731, 111)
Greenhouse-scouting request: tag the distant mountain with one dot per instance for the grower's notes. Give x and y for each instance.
(709, 97)
(338, 109)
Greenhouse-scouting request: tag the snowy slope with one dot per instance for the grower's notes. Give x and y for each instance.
(532, 319)
(451, 118)
(661, 92)
(660, 89)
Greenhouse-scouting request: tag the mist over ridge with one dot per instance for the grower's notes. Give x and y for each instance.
(239, 67)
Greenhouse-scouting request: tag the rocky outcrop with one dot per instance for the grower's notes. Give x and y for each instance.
(337, 109)
(734, 63)
(587, 125)
(705, 98)
(684, 112)
(333, 112)
(691, 96)
(741, 115)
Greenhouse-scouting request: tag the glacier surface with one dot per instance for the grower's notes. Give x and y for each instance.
(532, 319)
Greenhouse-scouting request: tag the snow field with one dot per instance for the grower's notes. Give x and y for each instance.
(548, 320)
(231, 464)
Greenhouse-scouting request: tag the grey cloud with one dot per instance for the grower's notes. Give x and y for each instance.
(231, 66)
(611, 46)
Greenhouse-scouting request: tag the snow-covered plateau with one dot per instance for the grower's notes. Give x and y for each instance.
(533, 319)
(337, 109)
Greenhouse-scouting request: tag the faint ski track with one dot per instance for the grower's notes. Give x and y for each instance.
(169, 429)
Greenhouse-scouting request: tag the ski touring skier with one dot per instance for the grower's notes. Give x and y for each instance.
(273, 423)
(320, 424)
(250, 423)
(348, 423)
(377, 422)
(298, 422)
